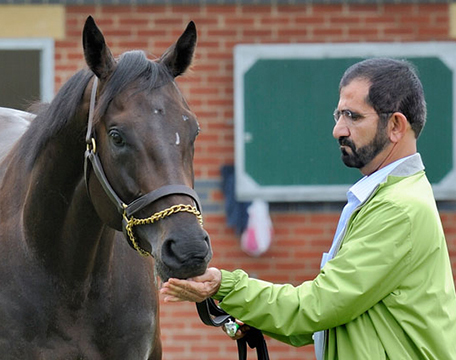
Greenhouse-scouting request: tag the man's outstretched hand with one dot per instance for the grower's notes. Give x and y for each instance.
(195, 289)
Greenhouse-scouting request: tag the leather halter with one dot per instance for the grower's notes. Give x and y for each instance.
(129, 210)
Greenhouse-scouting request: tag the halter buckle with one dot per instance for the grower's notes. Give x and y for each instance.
(92, 146)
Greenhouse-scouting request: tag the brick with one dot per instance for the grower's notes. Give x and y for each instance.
(363, 33)
(274, 20)
(121, 10)
(406, 9)
(151, 33)
(135, 22)
(361, 9)
(218, 33)
(432, 8)
(292, 10)
(293, 32)
(236, 21)
(191, 9)
(348, 20)
(331, 31)
(256, 9)
(257, 33)
(306, 20)
(376, 20)
(131, 45)
(433, 32)
(152, 9)
(78, 10)
(326, 9)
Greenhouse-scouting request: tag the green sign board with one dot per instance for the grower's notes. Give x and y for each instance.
(284, 99)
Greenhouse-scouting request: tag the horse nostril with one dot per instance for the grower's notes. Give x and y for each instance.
(207, 241)
(174, 252)
(168, 249)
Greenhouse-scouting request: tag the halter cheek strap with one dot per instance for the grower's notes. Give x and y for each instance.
(92, 161)
(91, 156)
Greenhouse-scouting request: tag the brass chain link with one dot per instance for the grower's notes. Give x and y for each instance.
(155, 217)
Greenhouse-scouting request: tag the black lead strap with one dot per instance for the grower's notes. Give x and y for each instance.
(211, 314)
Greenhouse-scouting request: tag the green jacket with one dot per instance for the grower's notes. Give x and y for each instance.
(387, 294)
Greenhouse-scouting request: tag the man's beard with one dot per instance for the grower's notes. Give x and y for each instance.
(359, 158)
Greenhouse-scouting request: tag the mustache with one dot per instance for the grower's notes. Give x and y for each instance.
(345, 141)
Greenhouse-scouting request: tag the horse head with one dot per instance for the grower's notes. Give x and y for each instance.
(140, 145)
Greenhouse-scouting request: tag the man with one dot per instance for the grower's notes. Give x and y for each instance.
(385, 290)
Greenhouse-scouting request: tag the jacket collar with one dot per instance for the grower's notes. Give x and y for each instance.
(410, 166)
(366, 186)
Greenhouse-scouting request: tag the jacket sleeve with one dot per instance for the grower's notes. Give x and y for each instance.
(371, 263)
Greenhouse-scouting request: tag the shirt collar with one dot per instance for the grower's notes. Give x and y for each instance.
(364, 187)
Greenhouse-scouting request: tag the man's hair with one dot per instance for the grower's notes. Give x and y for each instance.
(395, 86)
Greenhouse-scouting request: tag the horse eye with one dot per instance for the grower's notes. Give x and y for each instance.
(116, 138)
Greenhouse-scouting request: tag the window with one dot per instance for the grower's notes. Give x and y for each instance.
(26, 72)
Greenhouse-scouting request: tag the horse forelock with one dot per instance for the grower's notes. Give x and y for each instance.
(133, 69)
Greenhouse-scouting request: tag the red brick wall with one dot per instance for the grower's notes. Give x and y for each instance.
(300, 236)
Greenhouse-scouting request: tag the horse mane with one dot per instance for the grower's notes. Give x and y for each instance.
(132, 67)
(52, 117)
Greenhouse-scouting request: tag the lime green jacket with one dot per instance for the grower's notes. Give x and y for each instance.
(387, 294)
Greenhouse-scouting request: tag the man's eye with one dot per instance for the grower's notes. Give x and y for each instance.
(352, 115)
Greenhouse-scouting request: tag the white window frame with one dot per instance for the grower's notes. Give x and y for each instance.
(46, 48)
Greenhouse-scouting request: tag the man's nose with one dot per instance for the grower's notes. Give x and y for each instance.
(341, 129)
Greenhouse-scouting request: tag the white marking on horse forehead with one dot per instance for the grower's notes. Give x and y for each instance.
(177, 139)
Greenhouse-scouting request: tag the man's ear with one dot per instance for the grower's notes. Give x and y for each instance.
(398, 126)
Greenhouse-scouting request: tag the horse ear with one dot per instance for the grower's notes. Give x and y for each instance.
(97, 54)
(179, 56)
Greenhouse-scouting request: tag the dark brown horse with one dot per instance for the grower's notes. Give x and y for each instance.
(71, 286)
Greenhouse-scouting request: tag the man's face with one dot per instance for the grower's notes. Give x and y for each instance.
(359, 132)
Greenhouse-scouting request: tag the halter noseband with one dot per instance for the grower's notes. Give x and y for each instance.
(127, 211)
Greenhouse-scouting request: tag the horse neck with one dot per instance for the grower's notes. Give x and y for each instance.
(61, 227)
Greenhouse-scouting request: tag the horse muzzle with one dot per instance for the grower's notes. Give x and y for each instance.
(180, 246)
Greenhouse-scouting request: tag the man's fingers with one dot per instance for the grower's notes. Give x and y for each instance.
(180, 293)
(171, 299)
(189, 288)
(196, 289)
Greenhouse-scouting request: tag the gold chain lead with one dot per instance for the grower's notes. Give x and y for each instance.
(155, 217)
